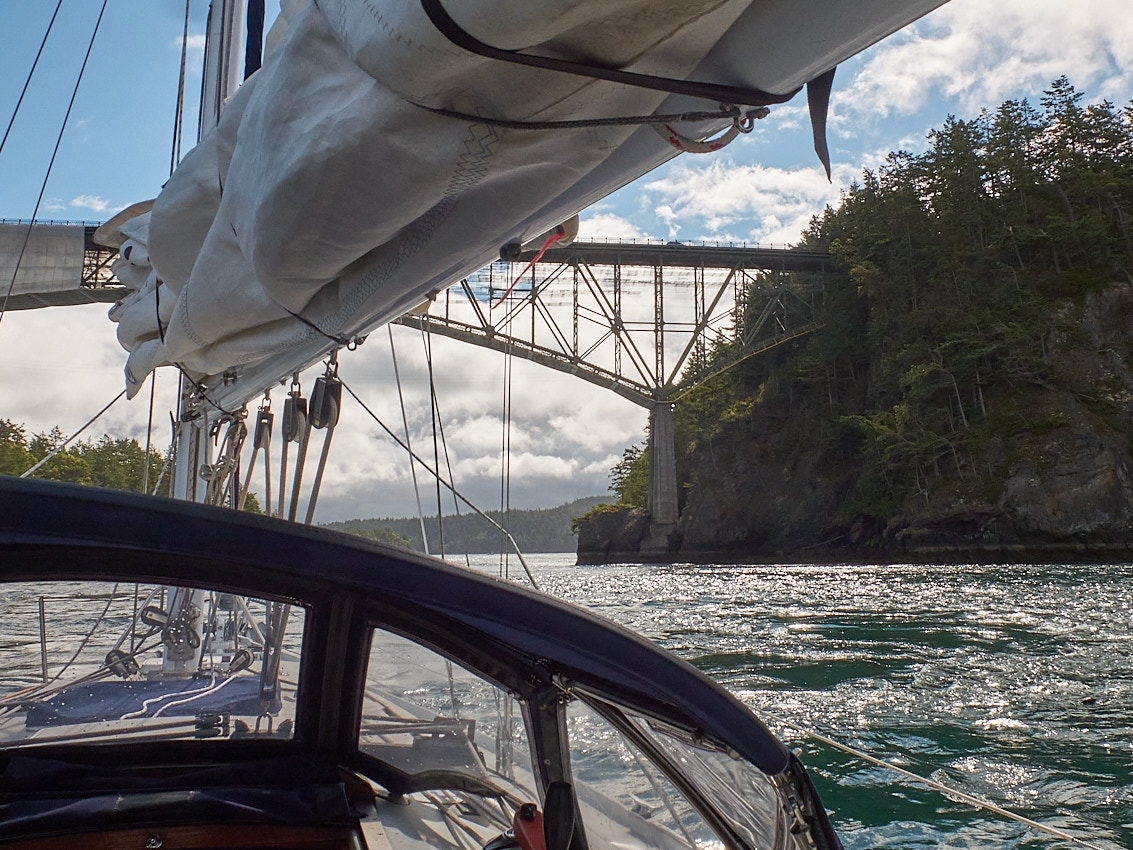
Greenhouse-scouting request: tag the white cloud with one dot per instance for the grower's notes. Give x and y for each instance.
(49, 383)
(195, 51)
(605, 225)
(977, 54)
(195, 42)
(667, 214)
(743, 202)
(93, 203)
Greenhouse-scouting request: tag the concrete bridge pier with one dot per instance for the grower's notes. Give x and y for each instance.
(663, 506)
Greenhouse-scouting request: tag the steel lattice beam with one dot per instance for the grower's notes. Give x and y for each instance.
(654, 355)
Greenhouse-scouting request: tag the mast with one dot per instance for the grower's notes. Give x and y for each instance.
(220, 78)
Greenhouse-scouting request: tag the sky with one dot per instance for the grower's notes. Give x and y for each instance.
(61, 365)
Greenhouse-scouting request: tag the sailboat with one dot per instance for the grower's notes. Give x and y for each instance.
(248, 682)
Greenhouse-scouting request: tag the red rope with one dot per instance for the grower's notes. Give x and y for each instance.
(555, 236)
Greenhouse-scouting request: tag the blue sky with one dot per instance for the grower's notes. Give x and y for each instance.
(62, 364)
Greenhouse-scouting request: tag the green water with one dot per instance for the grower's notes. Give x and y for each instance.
(1012, 683)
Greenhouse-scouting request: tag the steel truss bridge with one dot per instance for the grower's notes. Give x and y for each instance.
(96, 283)
(649, 321)
(640, 319)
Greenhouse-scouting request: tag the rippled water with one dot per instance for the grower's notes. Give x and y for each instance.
(1012, 683)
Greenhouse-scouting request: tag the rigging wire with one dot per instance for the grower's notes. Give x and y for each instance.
(441, 430)
(179, 111)
(447, 484)
(408, 444)
(985, 805)
(89, 634)
(51, 164)
(149, 433)
(427, 345)
(27, 82)
(505, 457)
(63, 444)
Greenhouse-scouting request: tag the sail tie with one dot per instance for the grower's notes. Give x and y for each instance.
(451, 30)
(743, 119)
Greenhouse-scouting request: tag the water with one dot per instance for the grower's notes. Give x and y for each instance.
(1012, 683)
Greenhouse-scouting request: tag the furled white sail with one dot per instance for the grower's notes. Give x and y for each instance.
(329, 199)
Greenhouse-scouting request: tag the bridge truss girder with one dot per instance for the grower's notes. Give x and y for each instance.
(641, 364)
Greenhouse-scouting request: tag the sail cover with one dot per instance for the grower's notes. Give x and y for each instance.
(332, 197)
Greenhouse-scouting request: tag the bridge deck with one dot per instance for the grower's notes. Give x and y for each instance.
(680, 255)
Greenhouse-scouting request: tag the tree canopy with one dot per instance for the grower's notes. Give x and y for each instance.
(937, 342)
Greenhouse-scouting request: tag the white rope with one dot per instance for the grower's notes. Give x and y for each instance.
(317, 484)
(687, 145)
(265, 405)
(197, 696)
(168, 456)
(144, 710)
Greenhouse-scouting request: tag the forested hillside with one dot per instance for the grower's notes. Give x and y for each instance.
(971, 386)
(107, 462)
(117, 464)
(540, 530)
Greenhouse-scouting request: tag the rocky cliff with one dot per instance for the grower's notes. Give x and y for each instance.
(969, 393)
(1054, 483)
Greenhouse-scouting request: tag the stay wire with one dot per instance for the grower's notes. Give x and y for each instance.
(149, 432)
(505, 455)
(408, 443)
(89, 634)
(179, 111)
(447, 484)
(64, 444)
(427, 344)
(51, 164)
(444, 441)
(27, 82)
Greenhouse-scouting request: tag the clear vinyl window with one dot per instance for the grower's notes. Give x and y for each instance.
(103, 661)
(421, 712)
(621, 792)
